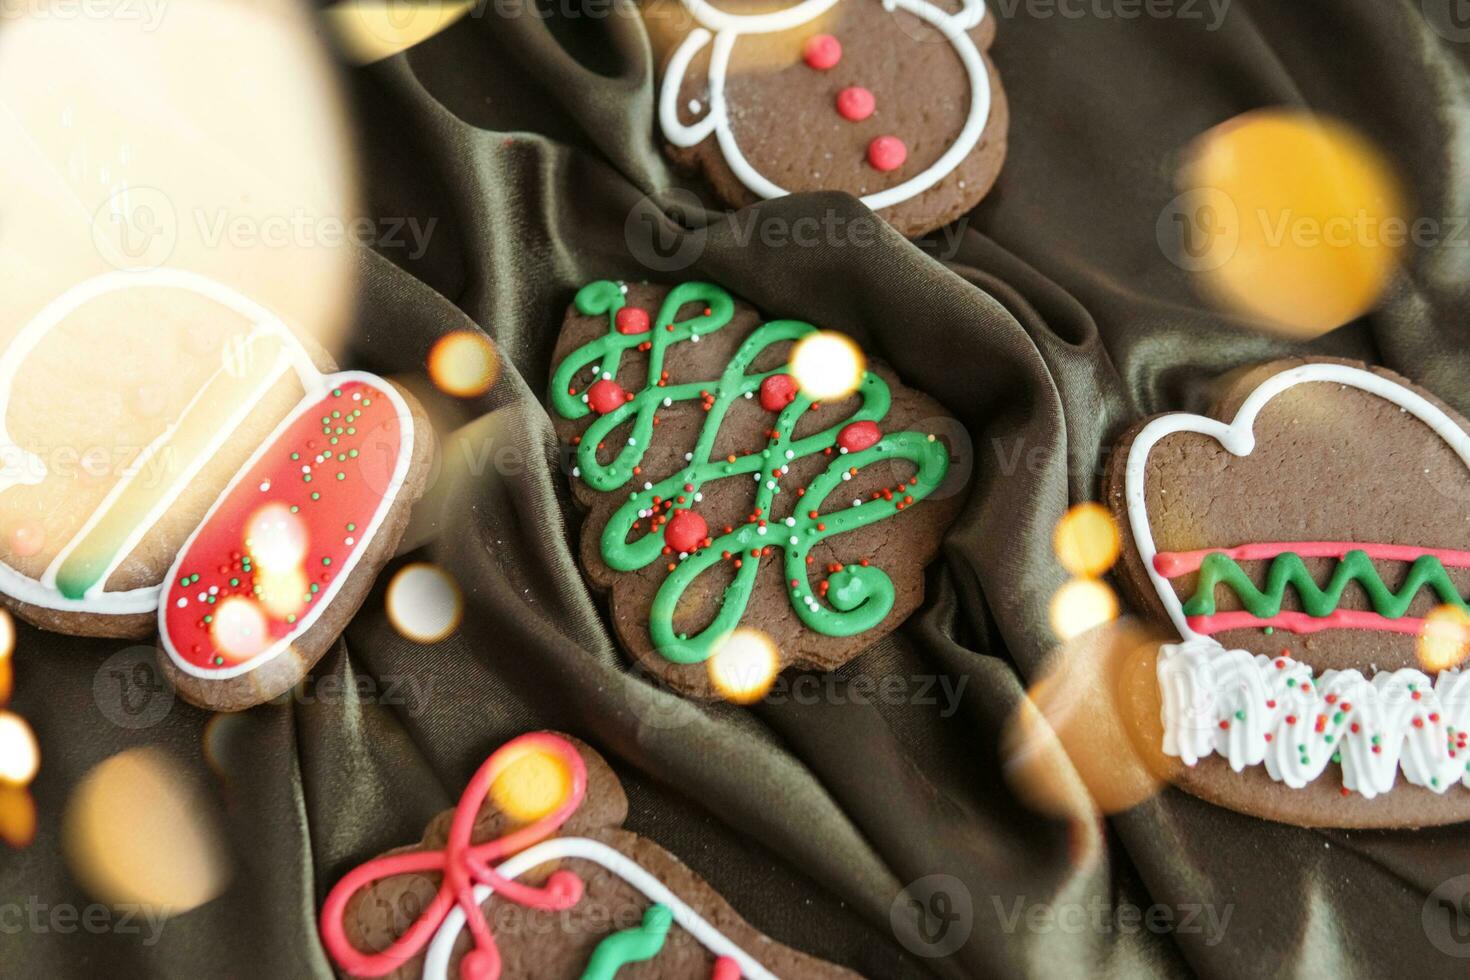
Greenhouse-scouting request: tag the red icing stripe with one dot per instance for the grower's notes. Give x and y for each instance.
(290, 527)
(1172, 564)
(1300, 622)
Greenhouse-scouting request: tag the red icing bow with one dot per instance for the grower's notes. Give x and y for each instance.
(463, 866)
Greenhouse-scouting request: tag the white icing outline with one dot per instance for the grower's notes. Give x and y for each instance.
(436, 959)
(1238, 437)
(32, 470)
(728, 28)
(325, 597)
(1201, 683)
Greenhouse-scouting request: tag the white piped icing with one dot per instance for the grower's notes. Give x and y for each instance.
(728, 28)
(1250, 709)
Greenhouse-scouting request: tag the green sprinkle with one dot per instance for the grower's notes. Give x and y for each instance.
(234, 582)
(352, 453)
(209, 619)
(352, 527)
(336, 415)
(315, 495)
(306, 478)
(315, 588)
(351, 431)
(1269, 630)
(336, 392)
(1240, 716)
(326, 561)
(210, 600)
(341, 476)
(291, 618)
(295, 455)
(295, 508)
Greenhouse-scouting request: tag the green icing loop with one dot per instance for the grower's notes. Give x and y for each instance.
(1288, 569)
(859, 596)
(633, 945)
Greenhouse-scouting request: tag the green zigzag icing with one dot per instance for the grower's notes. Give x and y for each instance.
(1288, 569)
(642, 942)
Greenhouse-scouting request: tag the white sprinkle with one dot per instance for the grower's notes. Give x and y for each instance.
(790, 454)
(688, 457)
(846, 475)
(693, 107)
(694, 338)
(760, 530)
(214, 590)
(576, 471)
(770, 484)
(785, 469)
(305, 468)
(668, 403)
(607, 375)
(584, 398)
(698, 497)
(183, 602)
(842, 450)
(791, 522)
(357, 396)
(202, 596)
(931, 437)
(750, 394)
(756, 477)
(351, 541)
(856, 502)
(648, 486)
(793, 539)
(265, 485)
(683, 555)
(632, 441)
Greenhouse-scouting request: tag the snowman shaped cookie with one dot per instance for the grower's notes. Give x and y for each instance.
(893, 101)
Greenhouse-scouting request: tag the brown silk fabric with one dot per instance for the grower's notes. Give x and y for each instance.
(1046, 323)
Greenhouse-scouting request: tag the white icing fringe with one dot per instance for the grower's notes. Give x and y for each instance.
(1250, 709)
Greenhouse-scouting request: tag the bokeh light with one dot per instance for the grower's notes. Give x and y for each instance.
(531, 786)
(424, 603)
(276, 538)
(1444, 640)
(1294, 219)
(1086, 540)
(1080, 605)
(239, 629)
(744, 666)
(136, 832)
(371, 30)
(463, 364)
(1077, 725)
(20, 754)
(17, 815)
(283, 593)
(7, 647)
(827, 365)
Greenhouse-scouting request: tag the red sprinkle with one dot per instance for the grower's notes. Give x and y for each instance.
(685, 530)
(855, 103)
(822, 52)
(887, 153)
(777, 391)
(857, 436)
(630, 319)
(605, 395)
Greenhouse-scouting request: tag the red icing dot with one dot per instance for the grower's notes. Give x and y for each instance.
(822, 52)
(887, 153)
(777, 392)
(858, 435)
(630, 319)
(685, 530)
(855, 103)
(605, 395)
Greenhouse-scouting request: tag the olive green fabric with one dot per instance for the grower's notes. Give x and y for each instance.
(1045, 322)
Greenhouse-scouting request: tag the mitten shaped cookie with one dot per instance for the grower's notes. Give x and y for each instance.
(1309, 542)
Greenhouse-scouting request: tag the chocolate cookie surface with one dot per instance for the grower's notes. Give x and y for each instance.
(897, 104)
(585, 912)
(720, 496)
(1301, 540)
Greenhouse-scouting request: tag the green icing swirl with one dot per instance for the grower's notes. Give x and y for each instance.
(1288, 569)
(859, 596)
(642, 942)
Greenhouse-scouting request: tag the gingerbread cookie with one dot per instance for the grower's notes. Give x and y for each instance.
(146, 420)
(1303, 542)
(893, 101)
(721, 495)
(531, 876)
